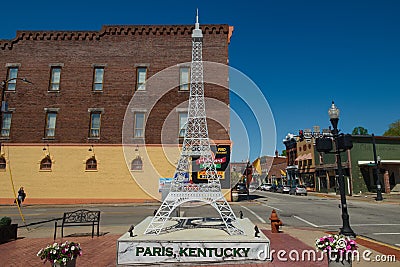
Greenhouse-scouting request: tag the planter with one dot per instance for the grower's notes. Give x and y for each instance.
(335, 260)
(70, 263)
(8, 232)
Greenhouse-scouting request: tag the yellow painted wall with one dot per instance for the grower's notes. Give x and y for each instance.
(68, 178)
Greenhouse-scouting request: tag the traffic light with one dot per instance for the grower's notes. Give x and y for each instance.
(301, 135)
(345, 142)
(323, 144)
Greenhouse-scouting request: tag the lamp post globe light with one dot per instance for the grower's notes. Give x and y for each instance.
(334, 118)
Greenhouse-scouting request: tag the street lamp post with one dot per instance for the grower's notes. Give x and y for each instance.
(334, 118)
(4, 107)
(376, 176)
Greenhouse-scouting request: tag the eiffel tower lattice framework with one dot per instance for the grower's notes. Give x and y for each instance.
(195, 144)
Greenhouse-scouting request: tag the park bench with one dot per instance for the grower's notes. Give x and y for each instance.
(80, 217)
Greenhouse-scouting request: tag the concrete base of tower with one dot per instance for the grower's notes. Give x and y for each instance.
(192, 240)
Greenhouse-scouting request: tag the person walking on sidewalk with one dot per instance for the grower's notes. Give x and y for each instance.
(21, 195)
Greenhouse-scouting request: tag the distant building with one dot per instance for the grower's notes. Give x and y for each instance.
(318, 171)
(274, 169)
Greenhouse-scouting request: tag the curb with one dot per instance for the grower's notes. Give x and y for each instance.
(378, 246)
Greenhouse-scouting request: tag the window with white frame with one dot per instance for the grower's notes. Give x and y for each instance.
(3, 163)
(55, 77)
(6, 126)
(45, 163)
(12, 78)
(98, 77)
(95, 120)
(137, 164)
(50, 130)
(184, 78)
(139, 124)
(182, 123)
(141, 78)
(91, 164)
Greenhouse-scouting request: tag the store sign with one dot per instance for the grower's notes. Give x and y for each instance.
(203, 175)
(221, 161)
(158, 252)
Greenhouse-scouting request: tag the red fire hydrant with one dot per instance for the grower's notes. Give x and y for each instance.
(275, 222)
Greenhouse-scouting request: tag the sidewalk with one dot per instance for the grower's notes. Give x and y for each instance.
(392, 198)
(101, 251)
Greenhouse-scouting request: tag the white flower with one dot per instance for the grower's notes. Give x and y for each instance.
(72, 248)
(40, 252)
(341, 243)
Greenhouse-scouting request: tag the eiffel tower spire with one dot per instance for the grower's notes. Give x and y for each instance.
(195, 144)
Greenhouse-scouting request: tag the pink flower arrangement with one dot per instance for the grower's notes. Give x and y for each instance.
(61, 253)
(336, 243)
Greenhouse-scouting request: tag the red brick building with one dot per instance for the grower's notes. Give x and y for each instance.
(82, 84)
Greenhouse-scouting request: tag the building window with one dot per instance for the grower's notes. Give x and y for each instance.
(184, 81)
(98, 77)
(50, 130)
(45, 164)
(12, 78)
(55, 79)
(91, 164)
(141, 78)
(137, 164)
(139, 124)
(6, 126)
(309, 162)
(182, 123)
(3, 163)
(94, 130)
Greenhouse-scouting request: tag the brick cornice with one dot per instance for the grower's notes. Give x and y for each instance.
(113, 30)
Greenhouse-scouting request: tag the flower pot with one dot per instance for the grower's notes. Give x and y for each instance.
(70, 263)
(8, 232)
(336, 260)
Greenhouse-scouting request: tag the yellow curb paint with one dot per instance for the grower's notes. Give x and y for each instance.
(377, 242)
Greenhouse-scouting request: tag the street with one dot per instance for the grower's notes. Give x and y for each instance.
(378, 221)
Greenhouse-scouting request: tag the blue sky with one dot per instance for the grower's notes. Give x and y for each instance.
(301, 54)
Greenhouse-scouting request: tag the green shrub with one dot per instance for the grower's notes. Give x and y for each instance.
(5, 221)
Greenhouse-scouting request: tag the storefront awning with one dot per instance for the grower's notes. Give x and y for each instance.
(307, 156)
(304, 157)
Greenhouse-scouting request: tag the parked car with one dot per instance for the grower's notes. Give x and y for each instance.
(286, 189)
(298, 190)
(265, 187)
(241, 188)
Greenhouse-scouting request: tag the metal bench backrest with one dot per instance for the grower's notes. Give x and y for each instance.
(81, 216)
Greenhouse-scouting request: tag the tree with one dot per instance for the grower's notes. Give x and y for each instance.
(394, 129)
(283, 154)
(360, 131)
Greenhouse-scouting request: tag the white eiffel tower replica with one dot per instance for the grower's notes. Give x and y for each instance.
(195, 144)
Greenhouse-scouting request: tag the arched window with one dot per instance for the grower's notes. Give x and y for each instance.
(45, 164)
(2, 163)
(91, 164)
(137, 164)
